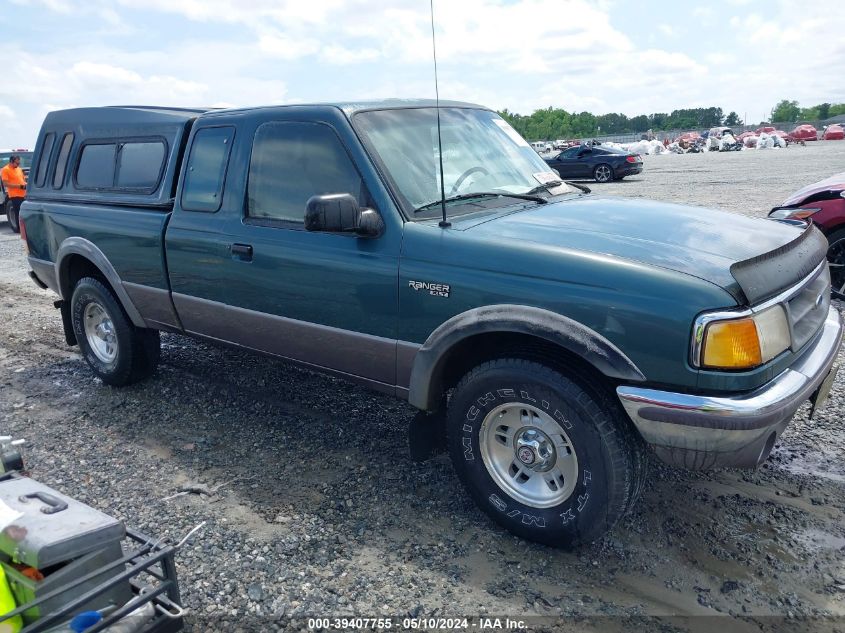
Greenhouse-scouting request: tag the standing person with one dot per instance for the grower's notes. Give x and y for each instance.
(14, 182)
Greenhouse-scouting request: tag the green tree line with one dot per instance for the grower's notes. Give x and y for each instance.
(552, 123)
(790, 111)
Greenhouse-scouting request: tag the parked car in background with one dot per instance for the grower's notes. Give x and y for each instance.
(823, 204)
(766, 129)
(688, 137)
(25, 154)
(600, 163)
(749, 139)
(834, 133)
(26, 161)
(717, 132)
(804, 132)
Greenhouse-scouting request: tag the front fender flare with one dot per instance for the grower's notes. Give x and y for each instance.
(426, 385)
(88, 250)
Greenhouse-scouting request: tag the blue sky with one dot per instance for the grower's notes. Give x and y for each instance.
(630, 56)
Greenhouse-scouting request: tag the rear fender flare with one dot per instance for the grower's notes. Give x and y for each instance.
(426, 384)
(88, 250)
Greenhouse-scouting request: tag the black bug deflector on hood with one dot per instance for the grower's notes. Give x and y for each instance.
(766, 275)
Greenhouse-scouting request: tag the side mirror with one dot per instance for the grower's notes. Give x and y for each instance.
(340, 213)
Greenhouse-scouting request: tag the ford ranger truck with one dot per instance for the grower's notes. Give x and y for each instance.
(556, 338)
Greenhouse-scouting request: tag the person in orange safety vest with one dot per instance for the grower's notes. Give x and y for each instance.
(14, 182)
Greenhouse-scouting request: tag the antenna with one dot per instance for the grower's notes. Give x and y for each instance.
(444, 223)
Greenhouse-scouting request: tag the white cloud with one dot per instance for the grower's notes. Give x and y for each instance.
(94, 75)
(719, 59)
(520, 54)
(667, 30)
(286, 47)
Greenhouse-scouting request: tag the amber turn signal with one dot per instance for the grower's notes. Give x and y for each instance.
(732, 345)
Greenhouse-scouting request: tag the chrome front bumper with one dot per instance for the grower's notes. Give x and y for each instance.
(702, 432)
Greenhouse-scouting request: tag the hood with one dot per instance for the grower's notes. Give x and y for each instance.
(700, 242)
(834, 183)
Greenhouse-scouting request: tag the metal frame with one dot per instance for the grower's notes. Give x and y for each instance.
(150, 569)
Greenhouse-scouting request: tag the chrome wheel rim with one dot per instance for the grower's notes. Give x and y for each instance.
(602, 173)
(528, 455)
(836, 264)
(99, 331)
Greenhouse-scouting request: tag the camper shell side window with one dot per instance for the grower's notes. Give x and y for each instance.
(124, 165)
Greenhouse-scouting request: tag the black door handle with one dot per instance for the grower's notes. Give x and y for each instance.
(242, 251)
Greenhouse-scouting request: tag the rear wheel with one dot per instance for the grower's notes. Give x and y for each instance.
(603, 173)
(13, 215)
(117, 351)
(836, 262)
(549, 459)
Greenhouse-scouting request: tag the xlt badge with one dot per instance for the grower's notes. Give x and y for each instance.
(434, 289)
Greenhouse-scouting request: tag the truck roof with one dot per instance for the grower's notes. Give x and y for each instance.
(118, 114)
(147, 114)
(352, 107)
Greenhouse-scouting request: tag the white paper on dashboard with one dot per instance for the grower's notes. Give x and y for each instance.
(545, 177)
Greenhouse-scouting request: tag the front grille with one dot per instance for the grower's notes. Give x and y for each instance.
(807, 309)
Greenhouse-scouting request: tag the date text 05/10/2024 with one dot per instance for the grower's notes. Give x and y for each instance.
(415, 624)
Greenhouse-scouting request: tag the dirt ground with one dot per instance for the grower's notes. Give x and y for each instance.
(322, 513)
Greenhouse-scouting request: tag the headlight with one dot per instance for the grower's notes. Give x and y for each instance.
(792, 214)
(742, 343)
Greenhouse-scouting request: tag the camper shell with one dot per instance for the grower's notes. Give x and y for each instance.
(119, 155)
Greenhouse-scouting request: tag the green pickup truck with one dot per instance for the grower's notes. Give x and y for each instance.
(554, 338)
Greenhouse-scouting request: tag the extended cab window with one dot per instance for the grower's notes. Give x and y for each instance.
(206, 171)
(292, 161)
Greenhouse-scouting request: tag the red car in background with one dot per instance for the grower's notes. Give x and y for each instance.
(768, 129)
(804, 132)
(823, 204)
(834, 133)
(688, 137)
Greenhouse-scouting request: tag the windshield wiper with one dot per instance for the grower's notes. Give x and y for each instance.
(557, 183)
(544, 187)
(484, 194)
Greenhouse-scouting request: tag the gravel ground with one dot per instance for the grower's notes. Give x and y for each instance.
(322, 513)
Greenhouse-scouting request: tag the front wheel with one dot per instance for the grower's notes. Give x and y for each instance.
(546, 458)
(118, 352)
(836, 263)
(603, 173)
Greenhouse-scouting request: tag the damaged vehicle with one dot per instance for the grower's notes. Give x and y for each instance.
(549, 338)
(822, 204)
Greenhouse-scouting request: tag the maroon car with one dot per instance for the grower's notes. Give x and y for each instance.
(822, 203)
(804, 132)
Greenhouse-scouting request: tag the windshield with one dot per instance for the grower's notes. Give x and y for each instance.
(26, 158)
(481, 154)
